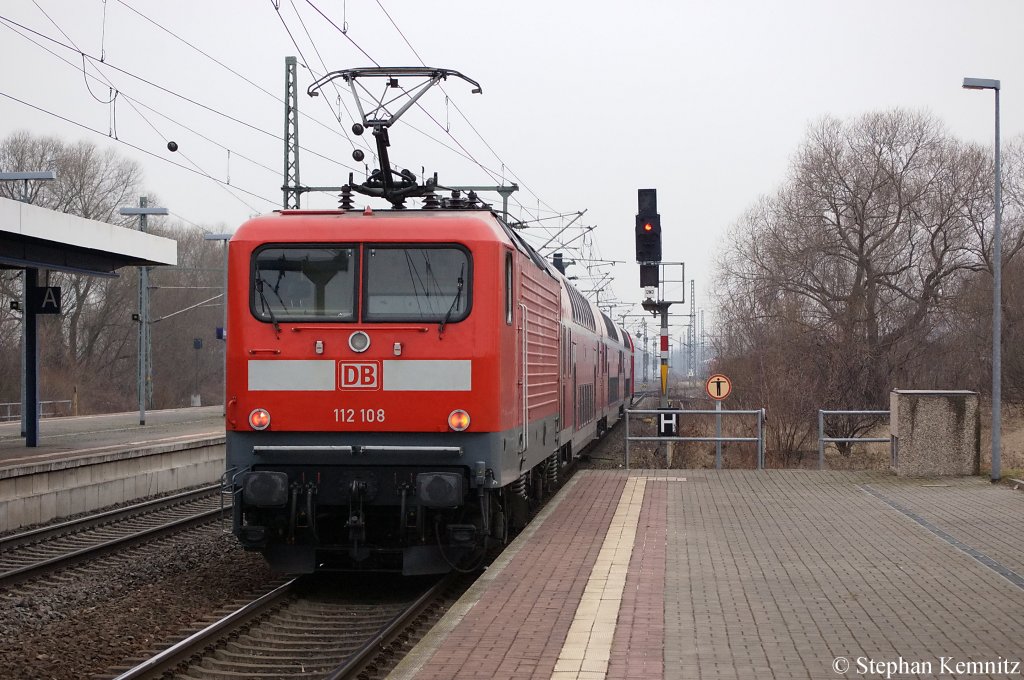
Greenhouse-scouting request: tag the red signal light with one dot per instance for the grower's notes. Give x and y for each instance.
(647, 226)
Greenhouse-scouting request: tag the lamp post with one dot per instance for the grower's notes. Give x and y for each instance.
(223, 238)
(144, 377)
(997, 308)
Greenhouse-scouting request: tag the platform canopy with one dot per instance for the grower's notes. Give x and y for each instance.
(40, 238)
(34, 239)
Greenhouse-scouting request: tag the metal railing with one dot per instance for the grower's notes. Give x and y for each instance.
(822, 439)
(11, 410)
(759, 439)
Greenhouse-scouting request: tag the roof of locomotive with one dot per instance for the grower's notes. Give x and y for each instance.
(390, 225)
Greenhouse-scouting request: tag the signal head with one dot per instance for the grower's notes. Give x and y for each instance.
(648, 238)
(648, 226)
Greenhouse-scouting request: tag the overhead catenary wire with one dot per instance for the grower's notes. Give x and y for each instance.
(227, 68)
(126, 96)
(27, 33)
(447, 129)
(84, 75)
(130, 145)
(195, 165)
(316, 51)
(452, 145)
(305, 63)
(14, 26)
(464, 152)
(456, 106)
(344, 32)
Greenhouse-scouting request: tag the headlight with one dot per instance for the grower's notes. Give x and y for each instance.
(458, 420)
(259, 419)
(359, 341)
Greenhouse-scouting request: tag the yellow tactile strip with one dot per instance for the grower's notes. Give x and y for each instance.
(588, 645)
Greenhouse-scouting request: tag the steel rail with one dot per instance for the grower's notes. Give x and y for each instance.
(390, 631)
(90, 521)
(184, 650)
(20, 574)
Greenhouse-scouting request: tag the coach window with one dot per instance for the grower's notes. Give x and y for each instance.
(294, 283)
(508, 289)
(425, 283)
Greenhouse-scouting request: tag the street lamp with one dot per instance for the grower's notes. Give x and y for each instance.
(997, 308)
(223, 238)
(144, 377)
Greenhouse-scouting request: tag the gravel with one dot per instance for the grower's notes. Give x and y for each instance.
(101, 616)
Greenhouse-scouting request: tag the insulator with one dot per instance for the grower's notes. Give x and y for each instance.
(345, 202)
(430, 201)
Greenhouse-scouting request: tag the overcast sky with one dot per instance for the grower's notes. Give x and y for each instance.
(583, 102)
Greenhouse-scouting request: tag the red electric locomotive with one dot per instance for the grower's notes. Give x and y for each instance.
(400, 383)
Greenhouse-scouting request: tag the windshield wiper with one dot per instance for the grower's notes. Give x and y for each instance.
(455, 302)
(258, 284)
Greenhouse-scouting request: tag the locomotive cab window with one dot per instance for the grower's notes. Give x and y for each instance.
(425, 283)
(292, 283)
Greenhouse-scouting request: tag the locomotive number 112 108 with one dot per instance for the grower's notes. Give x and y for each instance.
(359, 415)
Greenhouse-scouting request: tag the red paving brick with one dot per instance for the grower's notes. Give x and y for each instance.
(521, 621)
(763, 575)
(638, 646)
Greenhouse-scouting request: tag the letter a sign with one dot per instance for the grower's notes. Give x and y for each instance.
(718, 387)
(45, 300)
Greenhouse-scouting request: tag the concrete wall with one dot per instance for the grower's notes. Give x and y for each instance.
(937, 433)
(43, 491)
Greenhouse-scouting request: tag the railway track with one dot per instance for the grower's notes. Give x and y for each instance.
(27, 555)
(303, 628)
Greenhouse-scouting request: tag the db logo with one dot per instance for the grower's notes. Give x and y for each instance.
(361, 375)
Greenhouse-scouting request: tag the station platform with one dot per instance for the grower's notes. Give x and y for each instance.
(747, 574)
(84, 463)
(76, 436)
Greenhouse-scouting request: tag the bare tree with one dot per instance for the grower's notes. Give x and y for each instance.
(84, 349)
(851, 263)
(91, 349)
(188, 304)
